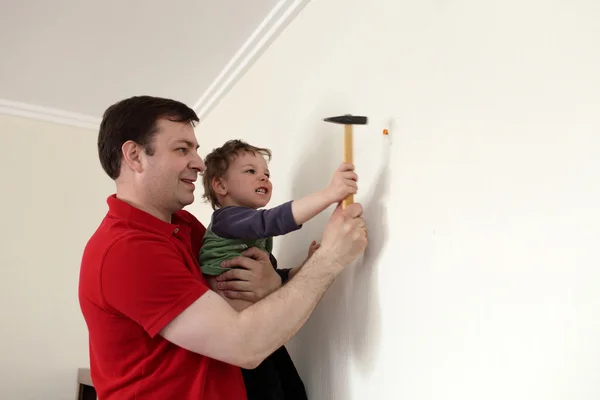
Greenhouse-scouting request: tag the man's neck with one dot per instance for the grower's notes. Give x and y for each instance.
(141, 204)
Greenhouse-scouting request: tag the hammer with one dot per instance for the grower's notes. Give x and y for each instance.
(348, 121)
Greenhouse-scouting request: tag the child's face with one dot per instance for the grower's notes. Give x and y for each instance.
(246, 182)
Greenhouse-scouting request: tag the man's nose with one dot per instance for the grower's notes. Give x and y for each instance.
(198, 164)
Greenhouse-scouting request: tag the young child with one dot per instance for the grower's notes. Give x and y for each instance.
(236, 183)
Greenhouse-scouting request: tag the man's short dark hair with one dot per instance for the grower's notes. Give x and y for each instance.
(135, 119)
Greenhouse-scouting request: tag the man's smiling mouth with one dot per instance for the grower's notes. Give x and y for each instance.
(189, 182)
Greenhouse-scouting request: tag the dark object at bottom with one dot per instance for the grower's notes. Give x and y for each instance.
(276, 378)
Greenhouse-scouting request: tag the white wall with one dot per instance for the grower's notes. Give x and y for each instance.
(481, 280)
(53, 197)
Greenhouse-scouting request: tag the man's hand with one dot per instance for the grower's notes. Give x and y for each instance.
(343, 183)
(255, 279)
(345, 235)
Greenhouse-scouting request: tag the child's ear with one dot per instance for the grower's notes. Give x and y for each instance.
(219, 186)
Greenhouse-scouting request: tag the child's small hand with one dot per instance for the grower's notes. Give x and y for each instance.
(342, 183)
(313, 247)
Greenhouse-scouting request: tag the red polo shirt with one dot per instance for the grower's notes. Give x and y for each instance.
(137, 274)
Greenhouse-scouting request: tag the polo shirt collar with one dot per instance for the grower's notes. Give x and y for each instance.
(125, 211)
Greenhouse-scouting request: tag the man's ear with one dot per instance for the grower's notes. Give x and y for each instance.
(219, 186)
(132, 155)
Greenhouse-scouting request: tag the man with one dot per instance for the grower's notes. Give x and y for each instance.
(156, 330)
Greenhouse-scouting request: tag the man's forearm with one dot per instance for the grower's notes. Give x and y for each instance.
(293, 272)
(271, 322)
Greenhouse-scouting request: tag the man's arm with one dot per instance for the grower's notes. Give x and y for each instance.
(288, 273)
(213, 328)
(210, 327)
(256, 283)
(254, 280)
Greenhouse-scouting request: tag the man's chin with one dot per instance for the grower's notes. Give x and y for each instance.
(186, 200)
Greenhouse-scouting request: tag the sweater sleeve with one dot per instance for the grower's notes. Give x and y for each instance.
(248, 223)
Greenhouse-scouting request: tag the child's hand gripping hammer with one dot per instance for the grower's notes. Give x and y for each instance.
(348, 121)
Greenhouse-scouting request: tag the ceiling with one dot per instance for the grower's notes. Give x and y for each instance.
(68, 60)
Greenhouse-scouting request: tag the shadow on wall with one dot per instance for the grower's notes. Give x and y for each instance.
(365, 300)
(346, 325)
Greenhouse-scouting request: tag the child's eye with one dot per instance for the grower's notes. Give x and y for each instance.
(251, 171)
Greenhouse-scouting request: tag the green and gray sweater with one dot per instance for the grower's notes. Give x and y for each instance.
(234, 229)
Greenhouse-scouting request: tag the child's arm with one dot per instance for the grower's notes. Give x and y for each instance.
(248, 223)
(342, 184)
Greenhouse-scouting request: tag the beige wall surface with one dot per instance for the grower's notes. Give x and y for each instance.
(53, 197)
(481, 280)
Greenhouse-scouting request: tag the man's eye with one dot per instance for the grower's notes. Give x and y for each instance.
(182, 149)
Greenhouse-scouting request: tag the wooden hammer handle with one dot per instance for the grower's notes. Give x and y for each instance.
(348, 146)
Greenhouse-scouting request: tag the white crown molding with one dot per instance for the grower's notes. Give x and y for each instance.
(271, 26)
(10, 107)
(267, 31)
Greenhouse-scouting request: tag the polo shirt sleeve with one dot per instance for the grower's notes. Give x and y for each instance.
(144, 278)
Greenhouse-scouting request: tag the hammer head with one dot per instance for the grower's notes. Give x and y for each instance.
(348, 120)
